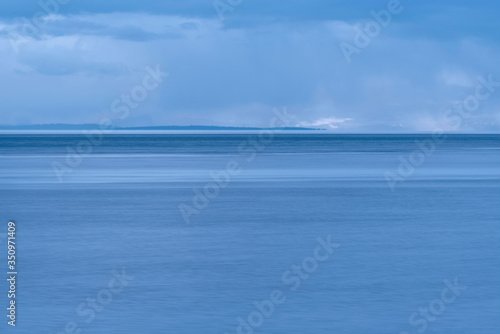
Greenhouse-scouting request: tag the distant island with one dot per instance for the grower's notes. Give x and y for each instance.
(167, 127)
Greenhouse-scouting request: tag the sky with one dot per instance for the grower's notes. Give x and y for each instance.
(347, 66)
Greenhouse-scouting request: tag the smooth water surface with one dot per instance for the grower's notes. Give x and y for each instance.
(135, 203)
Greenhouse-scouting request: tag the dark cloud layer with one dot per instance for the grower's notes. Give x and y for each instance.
(264, 54)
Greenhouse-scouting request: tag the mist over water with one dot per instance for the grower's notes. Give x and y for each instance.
(404, 233)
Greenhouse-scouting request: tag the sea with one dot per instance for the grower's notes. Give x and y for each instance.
(251, 232)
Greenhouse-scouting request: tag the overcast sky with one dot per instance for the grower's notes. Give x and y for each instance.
(232, 62)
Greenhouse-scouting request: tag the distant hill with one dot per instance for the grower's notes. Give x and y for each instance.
(168, 127)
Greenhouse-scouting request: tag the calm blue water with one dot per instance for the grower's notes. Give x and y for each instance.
(117, 208)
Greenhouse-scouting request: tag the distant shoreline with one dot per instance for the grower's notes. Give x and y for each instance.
(76, 127)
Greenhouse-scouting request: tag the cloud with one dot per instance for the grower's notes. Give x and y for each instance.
(330, 122)
(116, 26)
(456, 78)
(431, 20)
(64, 56)
(237, 71)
